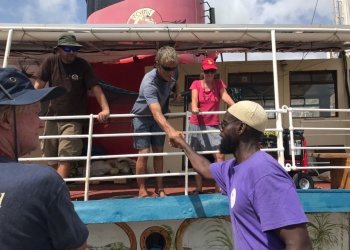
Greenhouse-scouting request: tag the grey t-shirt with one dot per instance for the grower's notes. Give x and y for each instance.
(153, 89)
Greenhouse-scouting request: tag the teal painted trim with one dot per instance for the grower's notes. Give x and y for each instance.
(319, 201)
(149, 209)
(193, 206)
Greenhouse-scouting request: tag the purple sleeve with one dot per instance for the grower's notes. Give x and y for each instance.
(220, 172)
(277, 203)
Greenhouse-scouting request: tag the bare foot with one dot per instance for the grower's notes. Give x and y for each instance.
(160, 192)
(196, 191)
(143, 194)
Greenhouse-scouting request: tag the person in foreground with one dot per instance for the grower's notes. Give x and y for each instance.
(75, 74)
(36, 211)
(207, 94)
(265, 210)
(155, 89)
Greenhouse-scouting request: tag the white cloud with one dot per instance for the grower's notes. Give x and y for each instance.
(273, 12)
(43, 11)
(227, 11)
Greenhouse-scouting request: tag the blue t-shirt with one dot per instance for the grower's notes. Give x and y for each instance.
(153, 89)
(36, 212)
(262, 197)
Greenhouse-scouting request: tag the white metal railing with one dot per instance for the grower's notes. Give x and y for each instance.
(294, 148)
(89, 136)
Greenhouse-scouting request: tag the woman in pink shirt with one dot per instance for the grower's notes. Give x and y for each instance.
(206, 96)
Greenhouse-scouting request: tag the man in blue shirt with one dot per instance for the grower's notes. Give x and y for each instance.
(35, 207)
(152, 102)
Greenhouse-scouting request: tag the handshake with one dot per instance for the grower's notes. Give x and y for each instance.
(177, 139)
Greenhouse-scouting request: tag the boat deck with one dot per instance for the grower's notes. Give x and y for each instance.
(172, 185)
(111, 203)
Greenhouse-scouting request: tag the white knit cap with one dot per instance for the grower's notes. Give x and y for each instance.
(250, 113)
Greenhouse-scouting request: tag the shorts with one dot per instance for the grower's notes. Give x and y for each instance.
(147, 124)
(204, 142)
(63, 146)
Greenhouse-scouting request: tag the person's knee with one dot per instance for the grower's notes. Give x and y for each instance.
(157, 149)
(142, 160)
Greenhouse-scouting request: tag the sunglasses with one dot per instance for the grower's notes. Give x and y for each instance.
(209, 71)
(223, 124)
(69, 49)
(169, 68)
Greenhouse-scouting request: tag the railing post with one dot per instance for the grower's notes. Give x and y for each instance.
(8, 48)
(186, 159)
(277, 100)
(88, 158)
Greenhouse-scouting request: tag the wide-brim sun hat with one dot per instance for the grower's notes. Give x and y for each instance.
(16, 89)
(209, 63)
(67, 39)
(251, 113)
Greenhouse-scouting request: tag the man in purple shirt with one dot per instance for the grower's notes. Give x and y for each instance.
(265, 209)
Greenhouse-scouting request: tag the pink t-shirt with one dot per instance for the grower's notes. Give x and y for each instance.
(207, 101)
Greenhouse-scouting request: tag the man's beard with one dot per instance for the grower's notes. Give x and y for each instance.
(228, 146)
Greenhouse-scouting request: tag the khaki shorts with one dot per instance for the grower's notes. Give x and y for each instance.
(63, 146)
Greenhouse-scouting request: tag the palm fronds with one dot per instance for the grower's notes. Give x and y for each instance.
(324, 232)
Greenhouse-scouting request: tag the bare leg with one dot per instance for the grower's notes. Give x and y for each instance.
(63, 168)
(198, 189)
(158, 169)
(141, 168)
(218, 158)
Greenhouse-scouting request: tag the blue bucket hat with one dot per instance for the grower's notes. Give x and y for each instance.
(16, 89)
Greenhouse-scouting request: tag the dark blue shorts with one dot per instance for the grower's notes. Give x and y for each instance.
(143, 125)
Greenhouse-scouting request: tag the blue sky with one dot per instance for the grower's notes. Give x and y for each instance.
(227, 11)
(43, 11)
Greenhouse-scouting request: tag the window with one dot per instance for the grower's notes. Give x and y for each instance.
(187, 95)
(313, 89)
(257, 87)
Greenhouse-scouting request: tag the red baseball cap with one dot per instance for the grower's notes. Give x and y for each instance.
(209, 63)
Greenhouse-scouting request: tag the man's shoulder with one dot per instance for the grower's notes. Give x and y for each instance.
(150, 77)
(81, 61)
(224, 164)
(52, 57)
(151, 74)
(36, 170)
(30, 173)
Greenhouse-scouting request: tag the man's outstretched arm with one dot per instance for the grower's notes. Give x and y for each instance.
(200, 164)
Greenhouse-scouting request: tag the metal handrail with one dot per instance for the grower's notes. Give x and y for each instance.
(88, 158)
